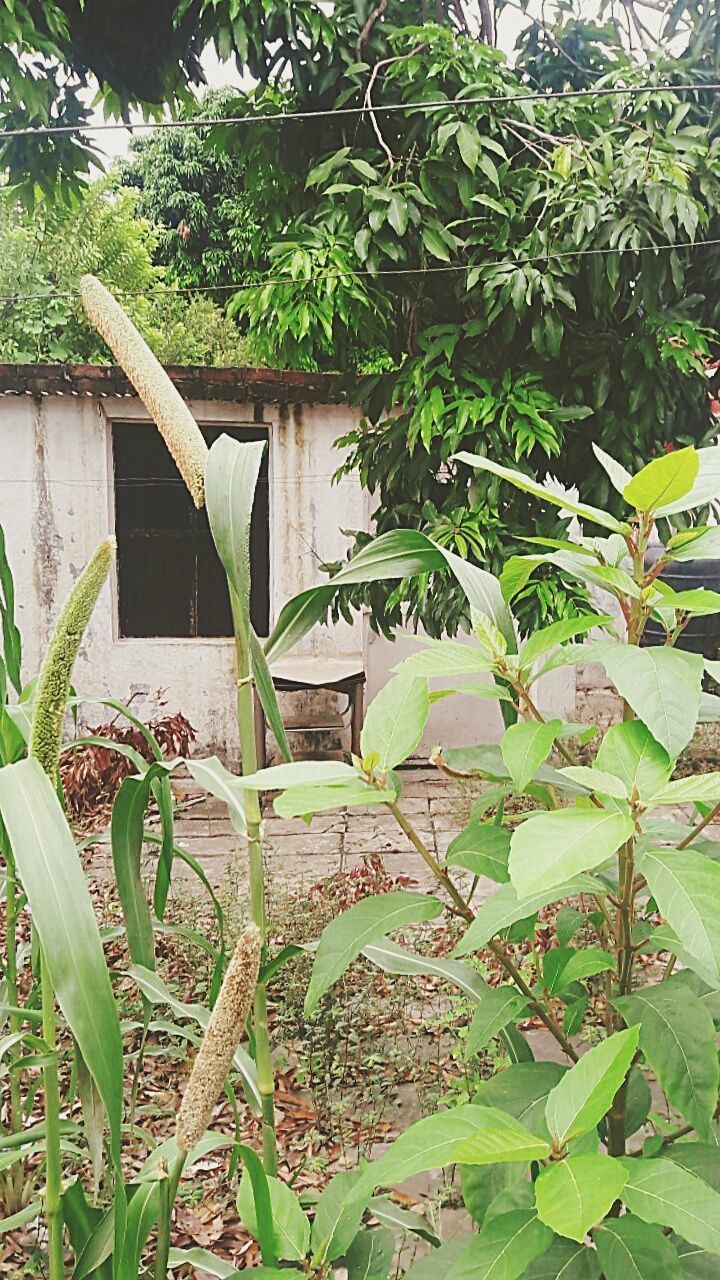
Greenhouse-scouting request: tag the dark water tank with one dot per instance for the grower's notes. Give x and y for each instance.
(701, 635)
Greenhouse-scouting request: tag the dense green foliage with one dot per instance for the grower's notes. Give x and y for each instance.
(194, 196)
(47, 249)
(443, 249)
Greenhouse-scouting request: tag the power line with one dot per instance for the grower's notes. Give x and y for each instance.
(440, 104)
(350, 272)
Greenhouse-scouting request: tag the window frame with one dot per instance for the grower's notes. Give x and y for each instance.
(220, 415)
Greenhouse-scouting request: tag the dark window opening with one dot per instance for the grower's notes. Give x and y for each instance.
(170, 579)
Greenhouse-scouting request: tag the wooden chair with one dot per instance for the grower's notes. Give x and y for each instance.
(338, 674)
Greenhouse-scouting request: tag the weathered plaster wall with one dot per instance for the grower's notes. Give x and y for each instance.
(57, 502)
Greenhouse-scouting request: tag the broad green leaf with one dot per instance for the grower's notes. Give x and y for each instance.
(53, 880)
(483, 848)
(468, 142)
(703, 787)
(540, 642)
(596, 780)
(549, 848)
(485, 1187)
(501, 1139)
(564, 1260)
(369, 920)
(370, 1254)
(564, 965)
(395, 722)
(444, 658)
(697, 1264)
(678, 1039)
(637, 1250)
(505, 907)
(524, 748)
(663, 1192)
(156, 991)
(338, 1215)
(631, 753)
(487, 762)
(700, 1158)
(697, 601)
(498, 1007)
(618, 475)
(291, 1227)
(686, 887)
(696, 544)
(662, 685)
(705, 487)
(522, 1090)
(579, 1101)
(663, 481)
(528, 485)
(319, 797)
(503, 1249)
(429, 1143)
(572, 1195)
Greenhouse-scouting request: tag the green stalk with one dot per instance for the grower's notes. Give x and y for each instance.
(168, 1194)
(53, 1167)
(248, 756)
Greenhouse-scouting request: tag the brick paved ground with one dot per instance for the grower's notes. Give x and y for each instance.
(296, 853)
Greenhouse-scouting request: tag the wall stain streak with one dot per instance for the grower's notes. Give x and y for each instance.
(47, 541)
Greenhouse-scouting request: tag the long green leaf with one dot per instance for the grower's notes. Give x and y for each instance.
(505, 907)
(579, 1101)
(637, 1250)
(678, 1039)
(554, 499)
(661, 1191)
(157, 992)
(395, 722)
(230, 481)
(369, 920)
(401, 553)
(662, 685)
(62, 912)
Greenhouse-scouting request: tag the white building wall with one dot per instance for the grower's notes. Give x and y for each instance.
(57, 503)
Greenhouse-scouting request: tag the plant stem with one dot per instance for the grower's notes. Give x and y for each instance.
(465, 911)
(53, 1174)
(700, 826)
(168, 1194)
(248, 755)
(460, 905)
